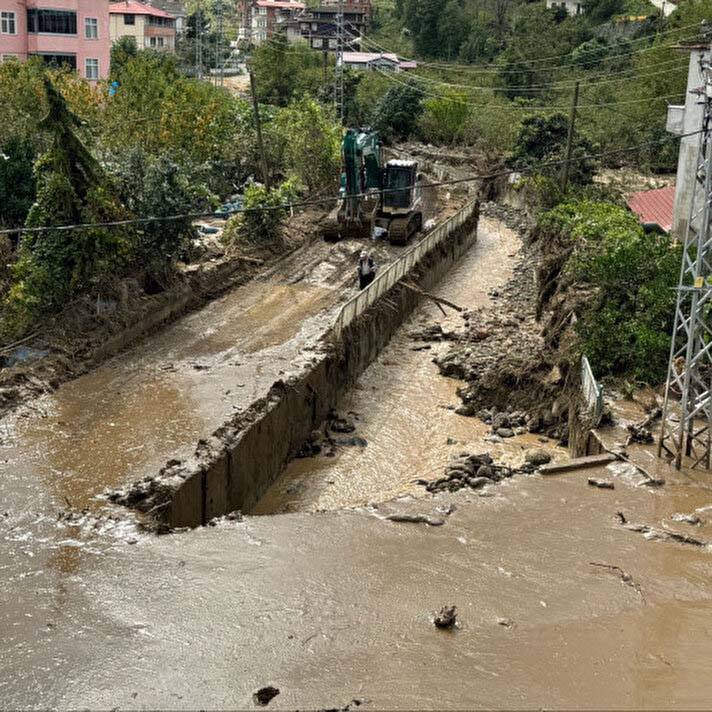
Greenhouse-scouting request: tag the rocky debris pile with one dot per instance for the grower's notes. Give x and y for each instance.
(502, 355)
(639, 434)
(513, 218)
(434, 332)
(324, 442)
(477, 470)
(446, 619)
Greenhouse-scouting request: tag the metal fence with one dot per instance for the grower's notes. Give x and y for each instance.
(397, 270)
(592, 390)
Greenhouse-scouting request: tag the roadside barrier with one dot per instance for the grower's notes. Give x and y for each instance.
(357, 305)
(592, 390)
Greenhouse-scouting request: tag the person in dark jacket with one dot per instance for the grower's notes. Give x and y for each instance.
(366, 270)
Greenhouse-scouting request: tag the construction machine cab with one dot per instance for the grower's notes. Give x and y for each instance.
(400, 184)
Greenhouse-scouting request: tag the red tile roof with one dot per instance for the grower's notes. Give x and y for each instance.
(654, 207)
(133, 7)
(286, 4)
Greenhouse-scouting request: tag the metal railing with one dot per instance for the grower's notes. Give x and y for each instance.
(592, 390)
(397, 270)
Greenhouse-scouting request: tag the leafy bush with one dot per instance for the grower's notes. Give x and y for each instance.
(444, 119)
(625, 329)
(542, 140)
(158, 187)
(258, 226)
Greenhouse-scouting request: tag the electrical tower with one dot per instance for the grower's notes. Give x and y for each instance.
(687, 423)
(339, 72)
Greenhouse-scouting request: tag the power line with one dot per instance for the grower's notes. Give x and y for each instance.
(493, 68)
(471, 67)
(464, 102)
(527, 170)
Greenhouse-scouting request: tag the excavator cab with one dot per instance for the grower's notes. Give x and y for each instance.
(400, 210)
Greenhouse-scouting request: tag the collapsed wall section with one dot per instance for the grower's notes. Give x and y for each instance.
(235, 467)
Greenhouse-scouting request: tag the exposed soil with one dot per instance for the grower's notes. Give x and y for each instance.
(91, 329)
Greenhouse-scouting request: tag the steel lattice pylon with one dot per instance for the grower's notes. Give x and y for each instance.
(687, 423)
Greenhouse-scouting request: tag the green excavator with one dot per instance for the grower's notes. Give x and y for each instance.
(374, 195)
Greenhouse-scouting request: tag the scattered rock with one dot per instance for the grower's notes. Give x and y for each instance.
(446, 619)
(265, 695)
(505, 432)
(601, 484)
(341, 425)
(466, 410)
(537, 457)
(416, 519)
(505, 622)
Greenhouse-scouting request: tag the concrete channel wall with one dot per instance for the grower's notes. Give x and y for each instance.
(242, 459)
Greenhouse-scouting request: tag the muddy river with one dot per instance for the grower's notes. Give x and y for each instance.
(404, 409)
(335, 606)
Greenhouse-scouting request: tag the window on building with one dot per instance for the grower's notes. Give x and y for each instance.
(129, 19)
(8, 24)
(317, 43)
(9, 57)
(91, 28)
(58, 60)
(54, 22)
(333, 44)
(315, 27)
(91, 68)
(160, 21)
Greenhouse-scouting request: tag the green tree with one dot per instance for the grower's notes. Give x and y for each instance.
(158, 187)
(445, 118)
(285, 72)
(122, 51)
(625, 328)
(397, 112)
(542, 140)
(17, 182)
(71, 189)
(312, 142)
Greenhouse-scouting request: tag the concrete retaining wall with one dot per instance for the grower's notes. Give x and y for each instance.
(245, 457)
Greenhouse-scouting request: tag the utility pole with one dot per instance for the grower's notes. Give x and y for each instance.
(258, 126)
(219, 43)
(570, 140)
(199, 41)
(339, 73)
(326, 65)
(687, 424)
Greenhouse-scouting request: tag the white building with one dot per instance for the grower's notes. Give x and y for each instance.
(369, 61)
(681, 120)
(573, 7)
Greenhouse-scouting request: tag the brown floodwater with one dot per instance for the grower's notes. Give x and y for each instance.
(338, 605)
(402, 406)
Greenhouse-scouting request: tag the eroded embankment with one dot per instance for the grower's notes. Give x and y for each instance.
(235, 466)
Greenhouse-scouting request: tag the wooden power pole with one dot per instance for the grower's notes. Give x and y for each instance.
(570, 140)
(258, 126)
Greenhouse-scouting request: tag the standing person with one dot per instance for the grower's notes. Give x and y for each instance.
(366, 270)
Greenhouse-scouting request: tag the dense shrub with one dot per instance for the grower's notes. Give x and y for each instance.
(625, 329)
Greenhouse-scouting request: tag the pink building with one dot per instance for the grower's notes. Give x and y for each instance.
(61, 32)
